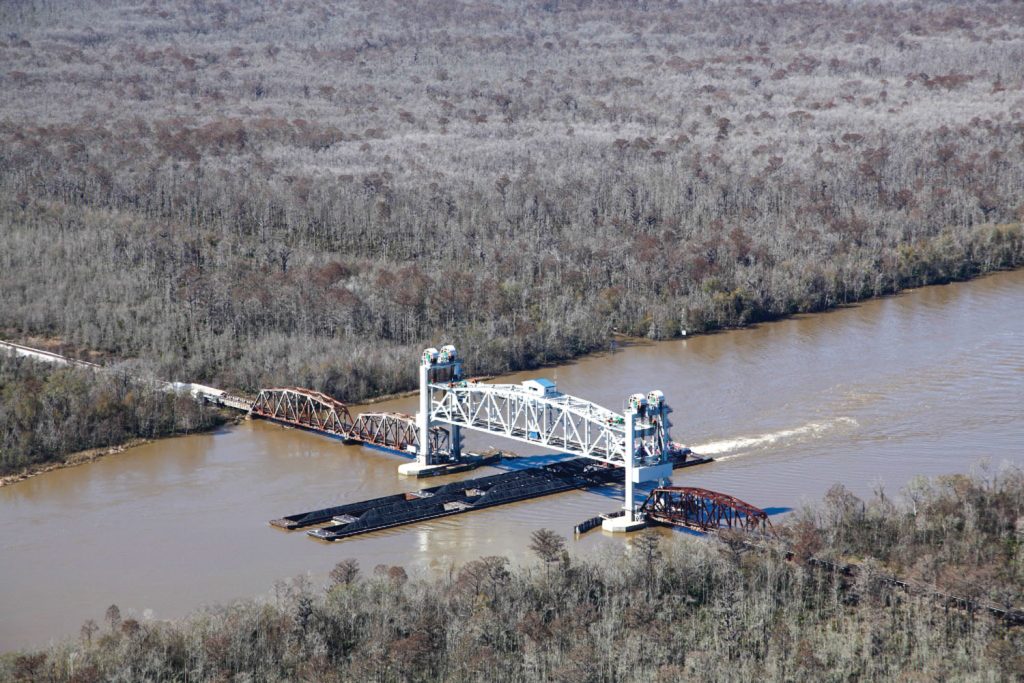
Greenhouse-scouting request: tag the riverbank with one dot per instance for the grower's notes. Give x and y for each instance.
(676, 196)
(621, 341)
(919, 602)
(73, 460)
(871, 395)
(91, 455)
(54, 415)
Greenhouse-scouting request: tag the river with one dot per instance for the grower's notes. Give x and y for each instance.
(925, 383)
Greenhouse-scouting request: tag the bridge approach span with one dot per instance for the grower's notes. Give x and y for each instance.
(319, 412)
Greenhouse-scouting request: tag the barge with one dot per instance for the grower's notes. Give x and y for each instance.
(341, 521)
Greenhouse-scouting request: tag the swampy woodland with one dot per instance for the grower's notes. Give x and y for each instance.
(308, 193)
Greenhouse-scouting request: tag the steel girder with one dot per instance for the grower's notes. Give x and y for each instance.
(561, 422)
(703, 510)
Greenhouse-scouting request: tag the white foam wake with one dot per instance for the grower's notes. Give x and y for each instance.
(747, 442)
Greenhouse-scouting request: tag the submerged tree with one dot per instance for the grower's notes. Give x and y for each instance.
(547, 545)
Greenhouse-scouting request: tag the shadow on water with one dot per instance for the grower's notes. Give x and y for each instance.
(686, 531)
(220, 430)
(610, 491)
(521, 462)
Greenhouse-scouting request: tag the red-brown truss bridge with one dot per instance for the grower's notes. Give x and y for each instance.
(396, 430)
(304, 408)
(318, 412)
(703, 510)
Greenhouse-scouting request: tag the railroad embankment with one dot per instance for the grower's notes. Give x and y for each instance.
(58, 415)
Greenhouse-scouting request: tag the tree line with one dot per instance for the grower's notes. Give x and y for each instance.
(660, 607)
(308, 193)
(47, 412)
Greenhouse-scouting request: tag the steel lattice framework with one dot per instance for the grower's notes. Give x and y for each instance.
(316, 411)
(304, 408)
(560, 422)
(396, 430)
(703, 510)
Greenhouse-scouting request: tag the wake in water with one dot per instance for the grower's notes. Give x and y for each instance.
(717, 448)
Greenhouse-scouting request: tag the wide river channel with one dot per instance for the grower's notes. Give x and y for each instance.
(929, 382)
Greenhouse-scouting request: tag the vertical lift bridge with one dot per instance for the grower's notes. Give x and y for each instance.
(535, 412)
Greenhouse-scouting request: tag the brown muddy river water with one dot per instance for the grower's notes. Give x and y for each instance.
(926, 383)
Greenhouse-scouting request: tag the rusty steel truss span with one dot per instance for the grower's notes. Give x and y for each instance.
(398, 431)
(703, 510)
(304, 408)
(318, 412)
(557, 421)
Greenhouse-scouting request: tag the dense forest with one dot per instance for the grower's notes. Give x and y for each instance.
(305, 192)
(47, 412)
(666, 607)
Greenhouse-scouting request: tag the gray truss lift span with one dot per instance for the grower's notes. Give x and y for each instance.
(535, 412)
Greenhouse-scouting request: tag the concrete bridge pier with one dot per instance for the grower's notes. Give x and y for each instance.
(628, 521)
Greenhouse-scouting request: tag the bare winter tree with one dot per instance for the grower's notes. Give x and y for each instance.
(244, 188)
(547, 545)
(345, 572)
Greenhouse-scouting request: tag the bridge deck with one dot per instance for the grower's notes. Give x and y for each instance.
(236, 402)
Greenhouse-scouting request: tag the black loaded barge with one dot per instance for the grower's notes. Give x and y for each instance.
(454, 498)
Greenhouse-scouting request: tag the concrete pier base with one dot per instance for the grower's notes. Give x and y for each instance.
(470, 461)
(415, 469)
(622, 524)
